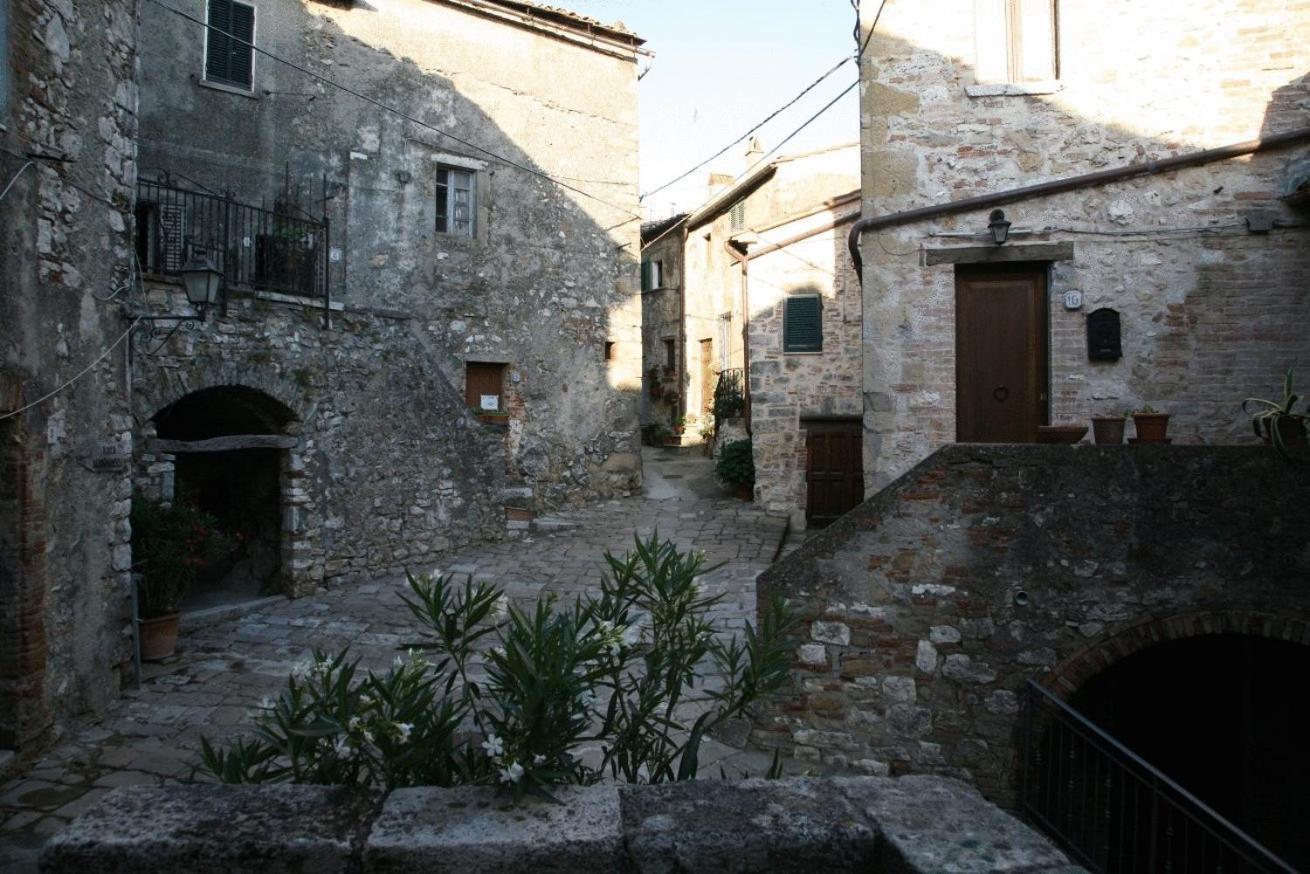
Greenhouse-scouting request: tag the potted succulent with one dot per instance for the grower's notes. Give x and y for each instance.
(171, 545)
(735, 468)
(1276, 422)
(1108, 430)
(1152, 426)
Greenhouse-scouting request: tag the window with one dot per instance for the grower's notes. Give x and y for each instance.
(484, 387)
(737, 215)
(1016, 41)
(230, 61)
(670, 354)
(610, 350)
(652, 274)
(802, 324)
(455, 196)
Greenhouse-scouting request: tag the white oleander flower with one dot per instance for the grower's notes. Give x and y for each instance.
(403, 730)
(512, 773)
(354, 725)
(494, 746)
(538, 760)
(501, 609)
(341, 746)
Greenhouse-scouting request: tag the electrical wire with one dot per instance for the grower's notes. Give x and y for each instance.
(394, 111)
(81, 373)
(806, 90)
(14, 178)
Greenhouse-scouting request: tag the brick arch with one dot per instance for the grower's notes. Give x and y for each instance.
(1074, 672)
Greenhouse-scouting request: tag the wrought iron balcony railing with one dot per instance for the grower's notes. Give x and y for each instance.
(255, 248)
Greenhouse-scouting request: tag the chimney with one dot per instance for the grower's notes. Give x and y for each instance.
(754, 151)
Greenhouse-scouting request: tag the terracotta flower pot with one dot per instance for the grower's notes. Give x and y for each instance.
(1108, 430)
(1151, 427)
(158, 637)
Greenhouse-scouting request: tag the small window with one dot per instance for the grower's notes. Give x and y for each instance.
(670, 354)
(484, 387)
(229, 58)
(802, 324)
(610, 350)
(455, 201)
(1016, 41)
(652, 274)
(737, 215)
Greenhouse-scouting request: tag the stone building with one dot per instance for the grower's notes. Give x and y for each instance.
(432, 321)
(701, 275)
(1200, 267)
(67, 173)
(428, 326)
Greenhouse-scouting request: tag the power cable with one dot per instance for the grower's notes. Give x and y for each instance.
(14, 178)
(394, 111)
(81, 373)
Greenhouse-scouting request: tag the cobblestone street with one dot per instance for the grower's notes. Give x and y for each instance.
(226, 664)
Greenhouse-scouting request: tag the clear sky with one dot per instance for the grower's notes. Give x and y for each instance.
(720, 66)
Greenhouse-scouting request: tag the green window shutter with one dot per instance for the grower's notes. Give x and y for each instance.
(645, 274)
(802, 324)
(218, 46)
(243, 28)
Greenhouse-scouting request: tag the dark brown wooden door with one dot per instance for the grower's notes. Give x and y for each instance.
(834, 470)
(1000, 353)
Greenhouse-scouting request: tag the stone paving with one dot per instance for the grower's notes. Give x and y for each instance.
(227, 664)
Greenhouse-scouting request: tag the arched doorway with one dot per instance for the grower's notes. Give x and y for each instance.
(1213, 702)
(229, 449)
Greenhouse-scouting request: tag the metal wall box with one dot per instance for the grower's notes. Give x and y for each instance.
(1103, 335)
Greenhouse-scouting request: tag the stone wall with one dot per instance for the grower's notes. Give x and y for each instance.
(660, 309)
(865, 825)
(375, 484)
(65, 255)
(787, 388)
(928, 608)
(1210, 312)
(549, 275)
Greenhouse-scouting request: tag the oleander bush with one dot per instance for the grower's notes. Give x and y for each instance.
(608, 671)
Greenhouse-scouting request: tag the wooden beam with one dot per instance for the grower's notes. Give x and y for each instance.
(994, 254)
(224, 444)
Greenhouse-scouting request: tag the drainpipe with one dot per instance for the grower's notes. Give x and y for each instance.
(1070, 183)
(682, 325)
(743, 261)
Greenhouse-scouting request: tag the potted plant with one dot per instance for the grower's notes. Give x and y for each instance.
(1108, 430)
(735, 468)
(171, 545)
(1152, 426)
(679, 425)
(1276, 422)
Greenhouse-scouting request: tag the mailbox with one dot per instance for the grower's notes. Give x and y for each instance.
(1103, 335)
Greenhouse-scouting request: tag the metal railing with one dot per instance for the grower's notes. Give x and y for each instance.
(257, 248)
(1114, 812)
(729, 395)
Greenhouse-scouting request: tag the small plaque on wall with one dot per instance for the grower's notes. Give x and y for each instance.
(1103, 335)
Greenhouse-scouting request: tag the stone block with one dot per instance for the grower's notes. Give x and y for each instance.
(477, 829)
(831, 632)
(219, 829)
(795, 825)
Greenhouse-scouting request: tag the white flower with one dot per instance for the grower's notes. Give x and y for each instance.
(493, 745)
(512, 773)
(400, 663)
(355, 724)
(538, 760)
(341, 746)
(497, 650)
(365, 701)
(403, 730)
(501, 608)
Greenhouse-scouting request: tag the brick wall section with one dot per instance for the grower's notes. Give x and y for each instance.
(914, 648)
(1208, 316)
(788, 387)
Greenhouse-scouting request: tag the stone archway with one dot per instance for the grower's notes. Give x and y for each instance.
(233, 450)
(1215, 701)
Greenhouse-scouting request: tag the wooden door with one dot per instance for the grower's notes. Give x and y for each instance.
(707, 374)
(1000, 353)
(834, 469)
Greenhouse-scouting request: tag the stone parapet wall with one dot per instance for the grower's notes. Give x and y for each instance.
(916, 824)
(926, 609)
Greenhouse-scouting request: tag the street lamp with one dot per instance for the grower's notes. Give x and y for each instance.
(999, 227)
(202, 280)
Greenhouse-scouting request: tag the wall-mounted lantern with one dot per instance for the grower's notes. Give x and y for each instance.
(202, 281)
(998, 226)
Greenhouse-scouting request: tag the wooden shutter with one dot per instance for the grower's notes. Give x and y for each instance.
(1035, 41)
(484, 379)
(645, 274)
(802, 324)
(218, 47)
(243, 28)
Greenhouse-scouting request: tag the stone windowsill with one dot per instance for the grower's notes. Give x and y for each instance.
(1013, 89)
(228, 89)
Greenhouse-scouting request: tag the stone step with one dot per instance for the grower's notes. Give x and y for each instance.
(546, 524)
